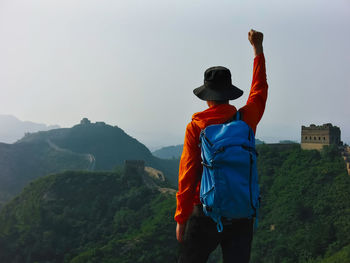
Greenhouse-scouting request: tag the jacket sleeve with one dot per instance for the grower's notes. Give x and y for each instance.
(189, 174)
(254, 109)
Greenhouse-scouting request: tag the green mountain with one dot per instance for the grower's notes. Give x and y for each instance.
(90, 217)
(109, 145)
(95, 217)
(169, 152)
(87, 146)
(128, 216)
(305, 210)
(22, 162)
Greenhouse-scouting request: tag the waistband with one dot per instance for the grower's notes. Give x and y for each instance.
(198, 211)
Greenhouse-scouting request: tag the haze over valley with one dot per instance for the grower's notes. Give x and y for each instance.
(68, 195)
(95, 99)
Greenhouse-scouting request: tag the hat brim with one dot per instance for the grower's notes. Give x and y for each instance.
(228, 93)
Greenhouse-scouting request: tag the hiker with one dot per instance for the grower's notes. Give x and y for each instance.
(197, 233)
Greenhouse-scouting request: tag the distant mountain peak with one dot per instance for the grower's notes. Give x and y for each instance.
(13, 129)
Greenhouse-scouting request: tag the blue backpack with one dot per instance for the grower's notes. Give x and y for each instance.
(229, 186)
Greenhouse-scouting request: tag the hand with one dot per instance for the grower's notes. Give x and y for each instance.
(180, 230)
(256, 38)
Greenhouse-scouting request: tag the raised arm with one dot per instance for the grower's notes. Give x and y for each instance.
(254, 109)
(256, 39)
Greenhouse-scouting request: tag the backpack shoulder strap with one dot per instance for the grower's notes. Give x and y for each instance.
(237, 117)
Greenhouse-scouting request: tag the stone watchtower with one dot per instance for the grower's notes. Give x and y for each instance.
(134, 167)
(85, 121)
(315, 137)
(133, 172)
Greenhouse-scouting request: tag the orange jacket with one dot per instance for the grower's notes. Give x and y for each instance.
(190, 170)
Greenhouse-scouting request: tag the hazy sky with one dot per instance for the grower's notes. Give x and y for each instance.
(134, 64)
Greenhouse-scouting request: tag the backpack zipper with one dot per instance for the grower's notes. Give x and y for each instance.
(250, 183)
(251, 171)
(206, 138)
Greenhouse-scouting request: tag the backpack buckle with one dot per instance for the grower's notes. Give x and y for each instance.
(207, 165)
(221, 149)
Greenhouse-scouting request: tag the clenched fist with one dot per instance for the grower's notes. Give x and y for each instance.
(256, 38)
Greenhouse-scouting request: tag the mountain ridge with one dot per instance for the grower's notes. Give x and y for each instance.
(99, 216)
(85, 146)
(66, 213)
(14, 129)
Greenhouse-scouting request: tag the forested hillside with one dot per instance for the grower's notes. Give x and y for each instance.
(92, 146)
(305, 214)
(109, 145)
(21, 163)
(117, 217)
(89, 217)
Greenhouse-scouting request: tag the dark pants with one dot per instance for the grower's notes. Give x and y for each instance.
(202, 237)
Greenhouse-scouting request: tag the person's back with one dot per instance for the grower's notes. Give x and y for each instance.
(196, 232)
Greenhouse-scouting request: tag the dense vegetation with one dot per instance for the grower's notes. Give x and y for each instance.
(305, 214)
(54, 151)
(88, 217)
(20, 163)
(115, 217)
(110, 146)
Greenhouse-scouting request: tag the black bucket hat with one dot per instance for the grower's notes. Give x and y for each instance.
(217, 85)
